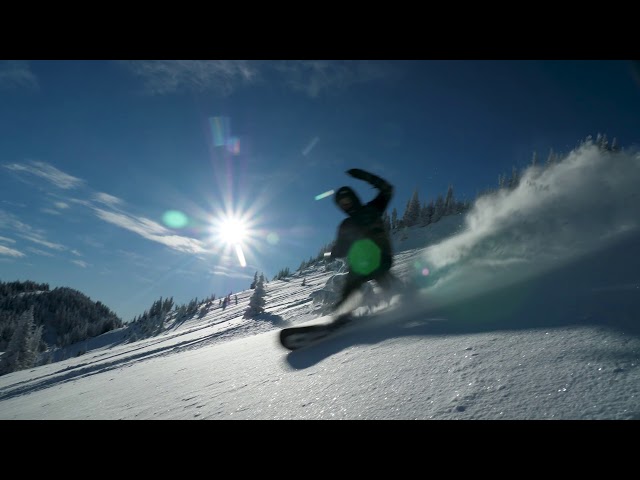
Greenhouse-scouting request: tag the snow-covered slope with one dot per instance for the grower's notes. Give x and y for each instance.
(530, 309)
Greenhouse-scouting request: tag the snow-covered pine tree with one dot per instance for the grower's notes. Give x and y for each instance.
(449, 202)
(257, 301)
(614, 145)
(425, 214)
(438, 210)
(22, 350)
(602, 142)
(514, 181)
(412, 213)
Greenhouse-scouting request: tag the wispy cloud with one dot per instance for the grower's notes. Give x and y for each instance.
(151, 231)
(309, 147)
(37, 251)
(14, 204)
(58, 206)
(51, 211)
(169, 76)
(10, 252)
(9, 221)
(111, 213)
(80, 263)
(134, 257)
(37, 238)
(315, 77)
(107, 199)
(47, 172)
(7, 240)
(79, 201)
(17, 74)
(90, 241)
(221, 270)
(225, 76)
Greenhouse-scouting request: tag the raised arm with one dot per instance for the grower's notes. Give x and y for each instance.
(386, 189)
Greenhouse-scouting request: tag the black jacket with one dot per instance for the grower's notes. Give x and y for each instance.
(365, 221)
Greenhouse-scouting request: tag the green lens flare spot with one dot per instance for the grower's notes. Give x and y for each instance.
(273, 238)
(364, 256)
(175, 219)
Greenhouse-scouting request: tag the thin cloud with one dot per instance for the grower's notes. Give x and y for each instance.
(10, 252)
(315, 77)
(225, 76)
(107, 199)
(17, 75)
(50, 211)
(37, 251)
(27, 232)
(57, 207)
(142, 226)
(14, 204)
(7, 240)
(47, 172)
(169, 76)
(151, 231)
(37, 238)
(80, 263)
(9, 220)
(309, 147)
(79, 201)
(90, 241)
(135, 258)
(221, 270)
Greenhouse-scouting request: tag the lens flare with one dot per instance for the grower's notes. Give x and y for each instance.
(175, 219)
(309, 147)
(240, 254)
(273, 238)
(219, 130)
(324, 195)
(233, 146)
(364, 256)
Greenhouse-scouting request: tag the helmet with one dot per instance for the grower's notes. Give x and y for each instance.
(347, 200)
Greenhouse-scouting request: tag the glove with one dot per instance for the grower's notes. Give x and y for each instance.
(359, 173)
(374, 180)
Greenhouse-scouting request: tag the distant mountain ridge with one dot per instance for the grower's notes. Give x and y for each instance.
(66, 315)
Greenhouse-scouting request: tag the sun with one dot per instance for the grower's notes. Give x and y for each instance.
(232, 231)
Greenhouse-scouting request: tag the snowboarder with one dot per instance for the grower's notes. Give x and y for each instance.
(362, 238)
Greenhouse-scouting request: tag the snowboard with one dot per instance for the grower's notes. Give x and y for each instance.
(293, 338)
(300, 336)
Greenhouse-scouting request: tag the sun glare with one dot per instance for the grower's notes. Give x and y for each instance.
(232, 231)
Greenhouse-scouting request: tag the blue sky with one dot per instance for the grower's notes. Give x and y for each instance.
(94, 154)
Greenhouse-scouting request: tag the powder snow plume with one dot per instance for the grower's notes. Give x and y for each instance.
(557, 214)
